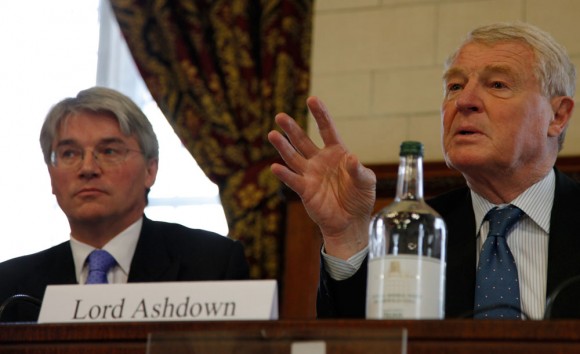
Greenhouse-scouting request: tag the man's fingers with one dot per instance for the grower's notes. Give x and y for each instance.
(363, 176)
(293, 158)
(288, 177)
(296, 135)
(324, 122)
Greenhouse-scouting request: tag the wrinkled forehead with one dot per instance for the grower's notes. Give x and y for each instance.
(506, 56)
(86, 125)
(493, 48)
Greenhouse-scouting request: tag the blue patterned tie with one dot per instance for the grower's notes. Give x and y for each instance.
(497, 276)
(100, 261)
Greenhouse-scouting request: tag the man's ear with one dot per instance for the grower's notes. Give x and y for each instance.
(562, 106)
(152, 167)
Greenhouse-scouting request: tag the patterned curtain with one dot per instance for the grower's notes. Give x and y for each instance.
(219, 71)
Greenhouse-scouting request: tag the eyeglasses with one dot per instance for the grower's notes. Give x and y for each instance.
(106, 155)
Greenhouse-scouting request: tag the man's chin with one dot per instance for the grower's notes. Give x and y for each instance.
(464, 162)
(90, 214)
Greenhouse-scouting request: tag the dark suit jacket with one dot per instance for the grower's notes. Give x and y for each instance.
(165, 252)
(347, 298)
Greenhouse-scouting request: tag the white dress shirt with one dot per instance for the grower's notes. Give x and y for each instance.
(121, 247)
(528, 241)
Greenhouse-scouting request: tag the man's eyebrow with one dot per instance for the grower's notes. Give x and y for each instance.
(507, 73)
(489, 69)
(452, 72)
(67, 142)
(111, 140)
(72, 142)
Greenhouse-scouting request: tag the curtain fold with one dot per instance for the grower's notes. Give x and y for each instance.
(219, 71)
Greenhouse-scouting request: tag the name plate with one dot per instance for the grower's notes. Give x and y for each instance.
(173, 301)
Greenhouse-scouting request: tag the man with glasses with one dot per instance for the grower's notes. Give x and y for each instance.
(102, 156)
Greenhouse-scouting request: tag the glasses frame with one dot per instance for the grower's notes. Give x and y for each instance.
(98, 153)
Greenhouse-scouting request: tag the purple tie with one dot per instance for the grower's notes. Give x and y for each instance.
(497, 293)
(100, 261)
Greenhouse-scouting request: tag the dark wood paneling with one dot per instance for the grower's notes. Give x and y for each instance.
(447, 336)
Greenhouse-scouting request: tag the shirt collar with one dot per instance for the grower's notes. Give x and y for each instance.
(535, 201)
(121, 247)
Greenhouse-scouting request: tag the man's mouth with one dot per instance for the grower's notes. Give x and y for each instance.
(466, 132)
(89, 191)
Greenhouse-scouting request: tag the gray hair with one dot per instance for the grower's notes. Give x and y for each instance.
(132, 120)
(553, 68)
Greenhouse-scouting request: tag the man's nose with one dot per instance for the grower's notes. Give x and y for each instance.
(469, 99)
(89, 164)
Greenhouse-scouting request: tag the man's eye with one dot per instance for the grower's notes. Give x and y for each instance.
(110, 151)
(498, 85)
(69, 153)
(453, 87)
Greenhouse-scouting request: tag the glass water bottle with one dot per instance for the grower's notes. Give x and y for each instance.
(406, 268)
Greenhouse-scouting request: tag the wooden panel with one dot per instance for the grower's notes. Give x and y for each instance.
(301, 264)
(446, 336)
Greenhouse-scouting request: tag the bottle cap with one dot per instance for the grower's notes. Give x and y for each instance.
(414, 148)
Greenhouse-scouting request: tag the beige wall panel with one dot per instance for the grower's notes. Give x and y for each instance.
(344, 95)
(559, 17)
(408, 2)
(320, 5)
(344, 41)
(456, 19)
(407, 91)
(373, 39)
(374, 140)
(572, 142)
(427, 129)
(407, 37)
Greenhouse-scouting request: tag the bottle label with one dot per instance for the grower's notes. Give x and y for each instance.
(405, 287)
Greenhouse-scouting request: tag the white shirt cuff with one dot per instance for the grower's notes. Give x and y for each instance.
(340, 269)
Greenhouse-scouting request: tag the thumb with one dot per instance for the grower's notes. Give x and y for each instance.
(362, 176)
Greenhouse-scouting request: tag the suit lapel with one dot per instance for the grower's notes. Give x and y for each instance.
(564, 242)
(152, 262)
(55, 267)
(457, 211)
(62, 271)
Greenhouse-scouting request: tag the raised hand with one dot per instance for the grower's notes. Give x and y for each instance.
(338, 192)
